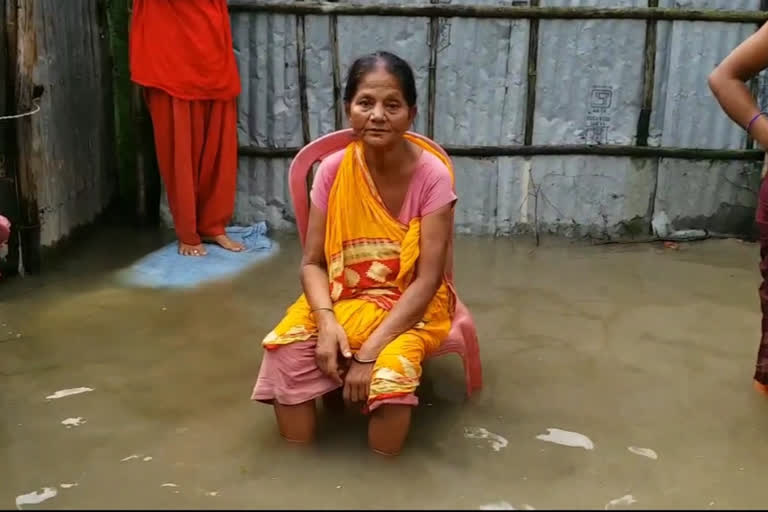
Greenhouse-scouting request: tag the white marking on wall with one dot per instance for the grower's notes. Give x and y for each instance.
(525, 183)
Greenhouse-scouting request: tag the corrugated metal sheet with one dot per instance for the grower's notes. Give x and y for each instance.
(498, 53)
(590, 77)
(74, 122)
(589, 90)
(684, 111)
(407, 37)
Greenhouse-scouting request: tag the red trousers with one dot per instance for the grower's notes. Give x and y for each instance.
(761, 370)
(196, 147)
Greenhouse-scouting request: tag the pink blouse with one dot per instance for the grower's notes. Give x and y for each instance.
(429, 190)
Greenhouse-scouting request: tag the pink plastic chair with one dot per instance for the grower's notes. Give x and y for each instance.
(462, 339)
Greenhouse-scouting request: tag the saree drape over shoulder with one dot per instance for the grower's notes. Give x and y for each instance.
(371, 259)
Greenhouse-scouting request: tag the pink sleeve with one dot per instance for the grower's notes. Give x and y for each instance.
(323, 181)
(438, 190)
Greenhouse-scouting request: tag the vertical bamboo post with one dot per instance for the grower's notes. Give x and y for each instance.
(649, 79)
(30, 163)
(530, 95)
(9, 205)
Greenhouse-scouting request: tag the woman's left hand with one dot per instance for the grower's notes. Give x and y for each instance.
(357, 382)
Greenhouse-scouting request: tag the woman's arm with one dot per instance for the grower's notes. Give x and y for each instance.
(314, 280)
(410, 308)
(728, 85)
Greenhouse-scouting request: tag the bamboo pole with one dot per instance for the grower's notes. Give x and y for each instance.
(533, 64)
(498, 11)
(9, 206)
(333, 25)
(434, 38)
(301, 59)
(649, 79)
(23, 55)
(564, 149)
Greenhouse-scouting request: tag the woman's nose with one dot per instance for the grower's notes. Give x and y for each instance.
(378, 112)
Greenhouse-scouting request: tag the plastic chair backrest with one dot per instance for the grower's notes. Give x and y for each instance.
(320, 149)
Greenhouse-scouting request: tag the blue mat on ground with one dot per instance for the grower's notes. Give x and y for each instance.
(166, 268)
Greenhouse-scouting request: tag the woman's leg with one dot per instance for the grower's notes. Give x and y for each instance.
(388, 428)
(391, 397)
(297, 423)
(290, 380)
(761, 367)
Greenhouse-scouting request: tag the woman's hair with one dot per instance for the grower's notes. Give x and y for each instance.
(393, 64)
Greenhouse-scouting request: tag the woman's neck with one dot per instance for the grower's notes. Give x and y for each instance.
(386, 161)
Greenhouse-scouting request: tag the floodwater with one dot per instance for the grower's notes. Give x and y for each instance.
(615, 376)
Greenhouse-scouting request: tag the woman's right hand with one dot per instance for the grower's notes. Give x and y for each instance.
(331, 340)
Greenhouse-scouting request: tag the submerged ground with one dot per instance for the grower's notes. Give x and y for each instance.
(642, 350)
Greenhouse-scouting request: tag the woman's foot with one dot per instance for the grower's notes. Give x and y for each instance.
(760, 388)
(225, 242)
(192, 250)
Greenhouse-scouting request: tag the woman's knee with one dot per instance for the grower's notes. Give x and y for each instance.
(297, 423)
(388, 428)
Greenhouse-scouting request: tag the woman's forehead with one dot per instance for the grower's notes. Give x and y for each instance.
(381, 81)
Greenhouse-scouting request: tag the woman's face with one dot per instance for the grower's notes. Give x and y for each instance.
(378, 113)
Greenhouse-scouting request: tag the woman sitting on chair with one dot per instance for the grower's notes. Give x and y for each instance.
(376, 298)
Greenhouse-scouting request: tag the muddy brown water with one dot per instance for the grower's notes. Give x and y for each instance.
(630, 346)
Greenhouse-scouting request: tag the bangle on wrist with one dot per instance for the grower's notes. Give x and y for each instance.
(313, 311)
(752, 121)
(363, 361)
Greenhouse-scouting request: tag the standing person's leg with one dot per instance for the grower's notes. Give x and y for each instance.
(172, 127)
(218, 175)
(761, 368)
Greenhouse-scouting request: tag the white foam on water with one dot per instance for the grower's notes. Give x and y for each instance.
(67, 392)
(68, 486)
(147, 459)
(169, 484)
(35, 498)
(499, 505)
(566, 438)
(645, 452)
(130, 457)
(73, 422)
(624, 500)
(212, 493)
(495, 440)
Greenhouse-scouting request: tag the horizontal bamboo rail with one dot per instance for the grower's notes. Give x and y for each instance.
(497, 11)
(568, 149)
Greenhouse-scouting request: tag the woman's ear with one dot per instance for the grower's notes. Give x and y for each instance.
(412, 114)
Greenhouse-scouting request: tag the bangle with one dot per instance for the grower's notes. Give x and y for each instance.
(362, 361)
(761, 113)
(321, 309)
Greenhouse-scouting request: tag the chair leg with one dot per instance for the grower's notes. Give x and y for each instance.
(474, 369)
